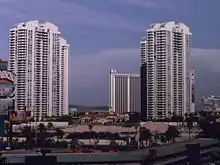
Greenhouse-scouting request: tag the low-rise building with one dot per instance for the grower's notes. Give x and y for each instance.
(3, 64)
(211, 103)
(100, 118)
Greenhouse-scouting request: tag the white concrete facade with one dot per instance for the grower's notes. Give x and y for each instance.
(124, 92)
(165, 53)
(64, 75)
(39, 58)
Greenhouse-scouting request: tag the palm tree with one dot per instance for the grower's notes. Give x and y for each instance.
(145, 135)
(189, 121)
(136, 131)
(172, 133)
(186, 115)
(7, 130)
(50, 127)
(90, 127)
(42, 133)
(136, 128)
(70, 122)
(59, 133)
(96, 143)
(29, 136)
(156, 137)
(163, 139)
(209, 125)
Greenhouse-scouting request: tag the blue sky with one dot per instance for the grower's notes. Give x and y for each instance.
(105, 34)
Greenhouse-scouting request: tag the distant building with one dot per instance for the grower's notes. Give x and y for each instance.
(165, 51)
(124, 92)
(7, 91)
(39, 58)
(7, 88)
(72, 111)
(3, 65)
(211, 103)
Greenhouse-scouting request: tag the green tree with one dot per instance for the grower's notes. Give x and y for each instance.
(42, 134)
(136, 128)
(172, 133)
(70, 122)
(29, 136)
(7, 130)
(208, 124)
(163, 139)
(59, 133)
(189, 121)
(156, 137)
(50, 127)
(90, 127)
(145, 135)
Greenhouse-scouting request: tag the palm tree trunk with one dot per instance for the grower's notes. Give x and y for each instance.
(189, 134)
(7, 136)
(141, 144)
(89, 137)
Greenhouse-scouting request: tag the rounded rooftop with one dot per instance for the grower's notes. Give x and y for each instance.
(171, 25)
(36, 23)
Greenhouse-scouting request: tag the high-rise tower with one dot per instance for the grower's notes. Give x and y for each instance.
(39, 58)
(165, 53)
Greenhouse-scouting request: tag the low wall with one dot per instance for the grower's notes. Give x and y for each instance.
(165, 155)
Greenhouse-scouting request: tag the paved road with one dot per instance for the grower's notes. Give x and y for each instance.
(35, 154)
(96, 158)
(53, 152)
(82, 157)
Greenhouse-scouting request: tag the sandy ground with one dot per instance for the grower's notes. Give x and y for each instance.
(159, 127)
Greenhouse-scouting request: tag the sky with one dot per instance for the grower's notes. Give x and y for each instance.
(105, 34)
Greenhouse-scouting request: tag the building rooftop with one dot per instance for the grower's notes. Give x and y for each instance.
(170, 25)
